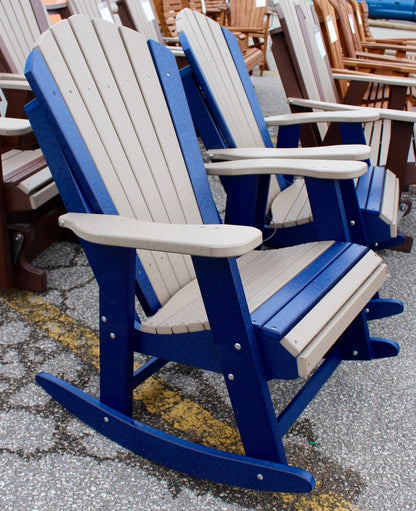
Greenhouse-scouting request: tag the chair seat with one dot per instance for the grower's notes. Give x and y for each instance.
(27, 180)
(378, 194)
(276, 284)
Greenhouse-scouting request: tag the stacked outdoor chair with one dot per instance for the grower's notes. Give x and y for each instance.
(229, 120)
(308, 81)
(251, 18)
(30, 204)
(352, 46)
(112, 119)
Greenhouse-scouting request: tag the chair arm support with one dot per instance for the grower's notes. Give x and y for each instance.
(345, 74)
(334, 152)
(334, 116)
(321, 169)
(195, 240)
(384, 113)
(10, 127)
(14, 83)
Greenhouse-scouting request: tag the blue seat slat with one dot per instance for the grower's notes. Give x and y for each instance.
(375, 193)
(265, 312)
(311, 292)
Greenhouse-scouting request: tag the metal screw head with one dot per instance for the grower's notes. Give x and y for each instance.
(237, 346)
(367, 310)
(230, 377)
(61, 222)
(260, 477)
(103, 319)
(352, 223)
(354, 353)
(112, 335)
(106, 420)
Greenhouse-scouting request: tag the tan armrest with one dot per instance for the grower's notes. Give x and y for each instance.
(197, 240)
(333, 116)
(332, 152)
(322, 169)
(14, 84)
(344, 74)
(10, 127)
(384, 113)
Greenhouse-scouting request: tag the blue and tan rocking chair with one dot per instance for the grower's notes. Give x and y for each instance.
(229, 120)
(112, 119)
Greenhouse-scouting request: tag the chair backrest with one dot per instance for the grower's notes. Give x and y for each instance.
(246, 13)
(124, 148)
(142, 18)
(215, 56)
(347, 27)
(21, 23)
(303, 33)
(221, 79)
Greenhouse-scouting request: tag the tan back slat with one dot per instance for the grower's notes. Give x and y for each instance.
(86, 7)
(18, 29)
(144, 18)
(137, 163)
(317, 45)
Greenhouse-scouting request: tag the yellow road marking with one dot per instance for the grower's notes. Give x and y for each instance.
(182, 414)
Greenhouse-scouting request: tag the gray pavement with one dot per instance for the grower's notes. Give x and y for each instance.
(358, 437)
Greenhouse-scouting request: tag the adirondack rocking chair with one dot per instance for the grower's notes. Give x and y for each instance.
(267, 314)
(29, 204)
(229, 120)
(303, 64)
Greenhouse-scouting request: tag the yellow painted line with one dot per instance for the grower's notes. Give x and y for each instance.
(182, 414)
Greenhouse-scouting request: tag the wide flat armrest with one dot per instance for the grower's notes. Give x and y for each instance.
(331, 152)
(343, 74)
(389, 46)
(321, 169)
(10, 127)
(195, 240)
(308, 117)
(14, 84)
(12, 76)
(384, 113)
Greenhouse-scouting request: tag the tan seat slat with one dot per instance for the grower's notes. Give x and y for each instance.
(291, 206)
(391, 195)
(311, 324)
(262, 274)
(317, 348)
(37, 181)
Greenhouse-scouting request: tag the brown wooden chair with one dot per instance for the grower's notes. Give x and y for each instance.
(247, 18)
